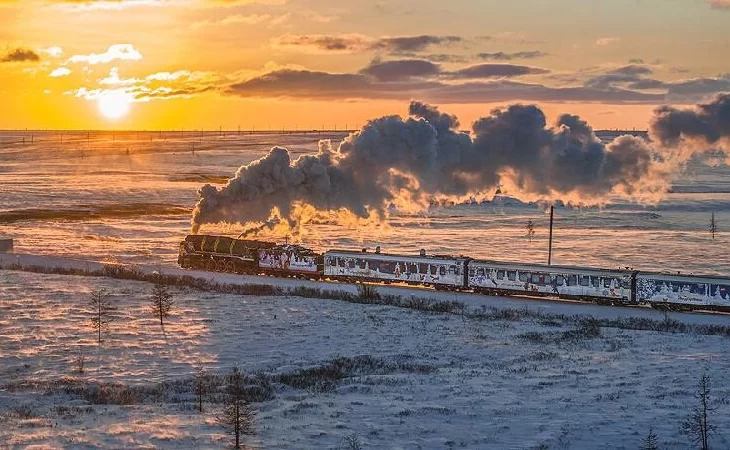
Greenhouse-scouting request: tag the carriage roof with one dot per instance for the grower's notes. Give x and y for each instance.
(686, 277)
(550, 269)
(410, 258)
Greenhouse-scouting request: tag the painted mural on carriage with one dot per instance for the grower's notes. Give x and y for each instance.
(426, 270)
(553, 281)
(287, 259)
(682, 290)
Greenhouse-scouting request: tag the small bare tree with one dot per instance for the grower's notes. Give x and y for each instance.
(530, 229)
(79, 361)
(162, 302)
(238, 415)
(201, 385)
(713, 225)
(102, 311)
(650, 441)
(697, 424)
(351, 442)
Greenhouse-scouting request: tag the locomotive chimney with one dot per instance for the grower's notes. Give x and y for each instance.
(377, 249)
(423, 252)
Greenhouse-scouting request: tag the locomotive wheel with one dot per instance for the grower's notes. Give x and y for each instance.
(220, 266)
(210, 265)
(231, 267)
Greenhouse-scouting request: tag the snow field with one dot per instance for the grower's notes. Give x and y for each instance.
(428, 381)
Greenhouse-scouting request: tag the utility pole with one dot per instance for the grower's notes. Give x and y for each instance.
(550, 240)
(713, 225)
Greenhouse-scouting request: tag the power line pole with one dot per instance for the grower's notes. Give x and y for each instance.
(550, 240)
(713, 225)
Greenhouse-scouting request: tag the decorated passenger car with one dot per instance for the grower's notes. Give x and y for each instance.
(290, 259)
(603, 286)
(683, 292)
(439, 271)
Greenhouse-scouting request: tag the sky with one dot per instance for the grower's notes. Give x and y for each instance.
(305, 64)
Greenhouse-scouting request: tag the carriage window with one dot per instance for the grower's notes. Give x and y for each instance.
(432, 269)
(584, 280)
(363, 264)
(386, 267)
(572, 280)
(351, 264)
(452, 270)
(607, 282)
(560, 280)
(511, 275)
(480, 271)
(422, 268)
(413, 268)
(500, 274)
(442, 270)
(596, 282)
(536, 278)
(524, 276)
(457, 270)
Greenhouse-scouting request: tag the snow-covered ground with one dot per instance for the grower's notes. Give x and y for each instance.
(412, 379)
(431, 381)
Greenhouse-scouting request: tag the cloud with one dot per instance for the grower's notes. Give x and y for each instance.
(495, 71)
(114, 80)
(20, 55)
(502, 56)
(352, 43)
(91, 5)
(413, 43)
(306, 84)
(719, 4)
(704, 125)
(323, 43)
(607, 40)
(55, 51)
(60, 72)
(401, 69)
(245, 19)
(635, 77)
(633, 73)
(315, 85)
(633, 69)
(156, 86)
(116, 5)
(122, 52)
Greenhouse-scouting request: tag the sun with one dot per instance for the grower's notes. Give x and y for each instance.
(114, 104)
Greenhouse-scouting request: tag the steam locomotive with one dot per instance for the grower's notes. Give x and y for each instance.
(613, 287)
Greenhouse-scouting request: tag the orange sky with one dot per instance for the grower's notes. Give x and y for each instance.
(191, 64)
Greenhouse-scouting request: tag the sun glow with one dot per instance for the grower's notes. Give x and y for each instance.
(114, 104)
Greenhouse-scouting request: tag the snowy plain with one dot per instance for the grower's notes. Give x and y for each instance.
(444, 381)
(129, 196)
(433, 380)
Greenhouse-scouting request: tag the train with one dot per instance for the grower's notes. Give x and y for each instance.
(619, 287)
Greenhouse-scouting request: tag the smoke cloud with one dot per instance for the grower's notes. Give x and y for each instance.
(411, 162)
(705, 125)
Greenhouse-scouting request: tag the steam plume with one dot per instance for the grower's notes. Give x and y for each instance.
(409, 162)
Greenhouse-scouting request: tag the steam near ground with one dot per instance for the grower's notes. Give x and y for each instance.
(129, 196)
